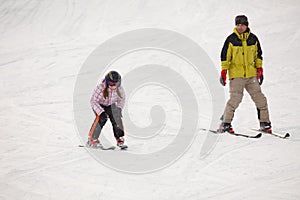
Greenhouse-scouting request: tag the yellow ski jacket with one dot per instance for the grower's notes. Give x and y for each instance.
(241, 54)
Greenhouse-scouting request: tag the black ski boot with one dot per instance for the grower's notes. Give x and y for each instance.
(225, 127)
(266, 127)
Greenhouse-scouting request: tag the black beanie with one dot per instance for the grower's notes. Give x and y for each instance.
(241, 19)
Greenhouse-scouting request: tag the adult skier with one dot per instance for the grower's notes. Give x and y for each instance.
(241, 59)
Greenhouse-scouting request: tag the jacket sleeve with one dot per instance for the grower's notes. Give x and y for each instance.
(97, 94)
(259, 58)
(226, 55)
(121, 100)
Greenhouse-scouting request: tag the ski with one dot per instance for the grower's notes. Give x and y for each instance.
(283, 136)
(235, 134)
(123, 147)
(101, 148)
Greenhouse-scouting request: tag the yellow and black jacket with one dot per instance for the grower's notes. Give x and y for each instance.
(241, 55)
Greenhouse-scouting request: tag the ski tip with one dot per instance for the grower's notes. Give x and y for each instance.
(108, 148)
(258, 135)
(80, 145)
(287, 135)
(125, 147)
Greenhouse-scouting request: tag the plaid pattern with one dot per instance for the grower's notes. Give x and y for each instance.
(113, 97)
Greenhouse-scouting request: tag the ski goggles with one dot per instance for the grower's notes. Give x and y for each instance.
(110, 83)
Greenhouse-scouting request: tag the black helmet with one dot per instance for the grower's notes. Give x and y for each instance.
(112, 78)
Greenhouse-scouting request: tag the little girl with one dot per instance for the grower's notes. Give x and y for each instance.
(107, 102)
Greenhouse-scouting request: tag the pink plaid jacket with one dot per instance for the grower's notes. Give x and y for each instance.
(113, 97)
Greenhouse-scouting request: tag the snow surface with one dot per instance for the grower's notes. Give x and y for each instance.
(43, 47)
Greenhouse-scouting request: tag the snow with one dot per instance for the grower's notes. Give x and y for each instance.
(44, 45)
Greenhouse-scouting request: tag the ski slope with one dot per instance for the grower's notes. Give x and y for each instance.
(43, 48)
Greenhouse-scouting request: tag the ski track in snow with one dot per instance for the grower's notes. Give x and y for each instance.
(43, 45)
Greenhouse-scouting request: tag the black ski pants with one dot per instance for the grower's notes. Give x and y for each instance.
(112, 112)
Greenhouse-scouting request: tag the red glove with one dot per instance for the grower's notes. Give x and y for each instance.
(260, 76)
(223, 77)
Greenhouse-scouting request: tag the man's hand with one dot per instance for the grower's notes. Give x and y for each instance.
(223, 77)
(260, 76)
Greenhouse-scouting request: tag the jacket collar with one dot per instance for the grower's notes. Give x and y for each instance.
(243, 36)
